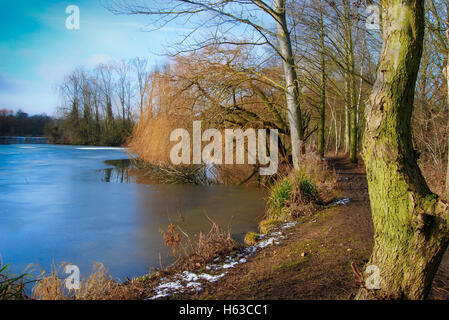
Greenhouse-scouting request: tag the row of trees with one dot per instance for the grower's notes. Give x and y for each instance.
(99, 106)
(303, 67)
(307, 67)
(21, 124)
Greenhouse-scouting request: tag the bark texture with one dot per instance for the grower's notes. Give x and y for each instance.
(291, 83)
(410, 222)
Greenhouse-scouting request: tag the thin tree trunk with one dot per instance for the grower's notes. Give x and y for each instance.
(347, 128)
(362, 69)
(292, 91)
(351, 97)
(322, 121)
(447, 82)
(410, 222)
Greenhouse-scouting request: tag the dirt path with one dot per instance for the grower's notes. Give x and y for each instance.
(314, 262)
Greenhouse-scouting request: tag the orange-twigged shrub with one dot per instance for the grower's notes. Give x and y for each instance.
(151, 136)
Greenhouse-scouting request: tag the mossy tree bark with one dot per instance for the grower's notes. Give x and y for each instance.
(410, 222)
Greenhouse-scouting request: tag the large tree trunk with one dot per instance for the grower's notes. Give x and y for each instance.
(410, 222)
(291, 83)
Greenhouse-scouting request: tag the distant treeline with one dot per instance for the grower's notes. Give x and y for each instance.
(21, 124)
(83, 129)
(99, 105)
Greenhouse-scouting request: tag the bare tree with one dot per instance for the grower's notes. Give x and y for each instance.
(261, 23)
(122, 69)
(140, 66)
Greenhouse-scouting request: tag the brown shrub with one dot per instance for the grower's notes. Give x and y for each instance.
(98, 286)
(202, 249)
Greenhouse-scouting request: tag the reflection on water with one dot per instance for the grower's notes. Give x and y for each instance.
(25, 140)
(119, 173)
(67, 204)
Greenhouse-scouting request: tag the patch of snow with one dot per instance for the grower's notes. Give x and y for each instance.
(189, 280)
(175, 285)
(265, 243)
(289, 225)
(341, 201)
(212, 278)
(196, 286)
(189, 276)
(229, 265)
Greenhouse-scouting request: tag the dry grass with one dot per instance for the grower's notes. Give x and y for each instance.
(98, 286)
(197, 251)
(303, 191)
(324, 177)
(193, 252)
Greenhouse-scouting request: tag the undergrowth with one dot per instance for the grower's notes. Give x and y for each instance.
(12, 287)
(197, 251)
(98, 286)
(302, 191)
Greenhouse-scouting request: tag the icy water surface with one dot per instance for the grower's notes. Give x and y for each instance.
(66, 204)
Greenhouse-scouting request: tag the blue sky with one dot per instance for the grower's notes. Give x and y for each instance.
(37, 50)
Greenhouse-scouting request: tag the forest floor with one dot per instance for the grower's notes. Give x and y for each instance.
(314, 260)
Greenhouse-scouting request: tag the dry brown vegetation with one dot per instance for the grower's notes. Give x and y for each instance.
(98, 286)
(192, 252)
(211, 86)
(303, 191)
(199, 250)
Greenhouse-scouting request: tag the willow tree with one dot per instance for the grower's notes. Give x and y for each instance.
(410, 222)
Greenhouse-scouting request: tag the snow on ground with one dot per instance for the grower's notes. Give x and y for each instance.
(189, 281)
(192, 282)
(341, 201)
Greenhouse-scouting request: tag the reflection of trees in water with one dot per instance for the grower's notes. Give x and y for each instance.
(23, 140)
(119, 173)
